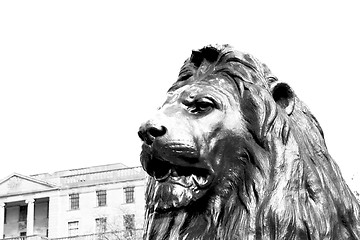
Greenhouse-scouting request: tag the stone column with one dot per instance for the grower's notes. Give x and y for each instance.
(30, 217)
(53, 223)
(2, 219)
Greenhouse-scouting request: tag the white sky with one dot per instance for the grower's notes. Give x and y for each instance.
(78, 77)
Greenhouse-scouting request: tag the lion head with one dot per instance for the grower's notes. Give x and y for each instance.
(234, 154)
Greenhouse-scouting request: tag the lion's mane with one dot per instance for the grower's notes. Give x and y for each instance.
(286, 187)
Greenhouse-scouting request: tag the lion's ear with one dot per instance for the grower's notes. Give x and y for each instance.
(283, 96)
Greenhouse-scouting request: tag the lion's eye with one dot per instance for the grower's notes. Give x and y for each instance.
(203, 105)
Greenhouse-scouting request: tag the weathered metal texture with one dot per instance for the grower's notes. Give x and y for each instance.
(233, 153)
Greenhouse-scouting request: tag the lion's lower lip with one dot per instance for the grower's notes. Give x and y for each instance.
(173, 177)
(184, 181)
(188, 181)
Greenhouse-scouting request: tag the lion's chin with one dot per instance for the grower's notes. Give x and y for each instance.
(177, 192)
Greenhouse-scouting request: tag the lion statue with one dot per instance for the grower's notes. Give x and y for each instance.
(233, 153)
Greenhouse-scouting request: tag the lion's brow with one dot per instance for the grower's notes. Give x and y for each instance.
(234, 78)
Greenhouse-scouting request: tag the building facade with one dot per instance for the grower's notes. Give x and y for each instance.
(77, 202)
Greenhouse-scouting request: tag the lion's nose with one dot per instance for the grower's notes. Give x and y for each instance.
(149, 131)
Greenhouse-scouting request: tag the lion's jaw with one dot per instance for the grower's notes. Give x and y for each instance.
(180, 176)
(171, 194)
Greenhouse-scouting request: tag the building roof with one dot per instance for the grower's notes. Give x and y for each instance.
(72, 178)
(20, 184)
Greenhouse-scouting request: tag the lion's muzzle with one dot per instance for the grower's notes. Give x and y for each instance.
(149, 131)
(171, 157)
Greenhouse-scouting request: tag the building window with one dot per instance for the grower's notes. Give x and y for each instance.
(100, 225)
(129, 194)
(73, 228)
(101, 198)
(22, 213)
(129, 222)
(74, 201)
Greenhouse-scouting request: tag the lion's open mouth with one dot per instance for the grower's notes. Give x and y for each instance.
(164, 171)
(179, 181)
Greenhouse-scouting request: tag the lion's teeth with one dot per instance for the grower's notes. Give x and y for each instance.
(193, 177)
(199, 181)
(174, 173)
(176, 178)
